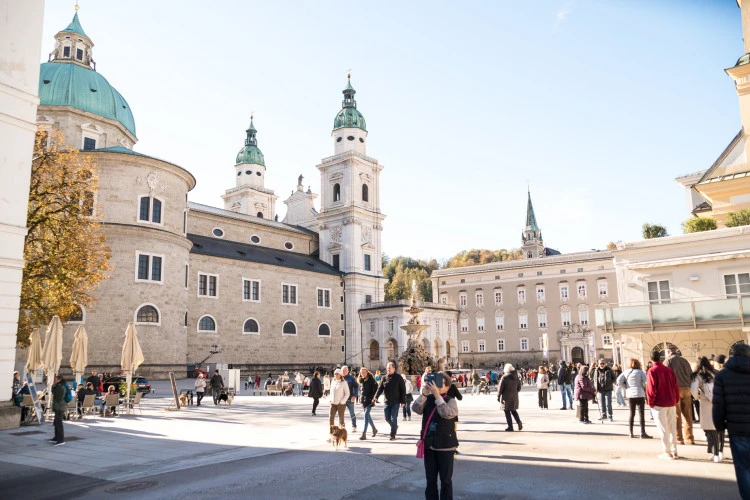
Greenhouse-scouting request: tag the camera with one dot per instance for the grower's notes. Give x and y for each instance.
(435, 378)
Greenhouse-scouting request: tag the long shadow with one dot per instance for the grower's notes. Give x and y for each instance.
(533, 459)
(581, 433)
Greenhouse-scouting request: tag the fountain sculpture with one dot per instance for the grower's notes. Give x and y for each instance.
(415, 358)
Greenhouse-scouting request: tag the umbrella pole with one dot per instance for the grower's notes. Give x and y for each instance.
(129, 379)
(50, 383)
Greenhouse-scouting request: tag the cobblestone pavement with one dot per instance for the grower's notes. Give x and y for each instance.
(272, 447)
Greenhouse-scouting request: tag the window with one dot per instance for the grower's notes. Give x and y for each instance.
(66, 51)
(342, 333)
(437, 326)
(76, 316)
(520, 275)
(372, 326)
(607, 340)
(480, 324)
(289, 294)
(481, 346)
(540, 294)
(562, 271)
(255, 239)
(218, 232)
(464, 346)
(150, 209)
(580, 269)
(289, 245)
(602, 289)
(89, 144)
(500, 345)
(524, 344)
(479, 299)
(367, 262)
(185, 323)
(658, 292)
(542, 318)
(390, 325)
(462, 300)
(336, 192)
(581, 290)
(523, 321)
(335, 261)
(443, 299)
(187, 274)
(450, 327)
(564, 292)
(464, 324)
(289, 328)
(342, 348)
(79, 54)
(565, 317)
(251, 327)
(207, 324)
(737, 284)
(498, 297)
(148, 267)
(208, 285)
(365, 193)
(521, 295)
(324, 298)
(147, 315)
(500, 323)
(250, 290)
(324, 330)
(583, 317)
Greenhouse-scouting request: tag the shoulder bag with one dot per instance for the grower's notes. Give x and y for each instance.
(420, 443)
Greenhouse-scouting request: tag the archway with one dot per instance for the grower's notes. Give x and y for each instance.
(374, 355)
(661, 348)
(576, 355)
(391, 349)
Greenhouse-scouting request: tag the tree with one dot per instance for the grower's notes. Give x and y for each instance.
(738, 218)
(400, 272)
(650, 231)
(474, 257)
(698, 224)
(65, 252)
(612, 245)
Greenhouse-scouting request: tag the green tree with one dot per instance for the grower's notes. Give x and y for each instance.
(738, 218)
(650, 231)
(400, 272)
(698, 224)
(65, 253)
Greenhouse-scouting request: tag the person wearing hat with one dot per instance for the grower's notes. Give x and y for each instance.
(339, 396)
(604, 380)
(200, 387)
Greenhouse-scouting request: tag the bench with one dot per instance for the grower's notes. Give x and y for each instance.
(271, 391)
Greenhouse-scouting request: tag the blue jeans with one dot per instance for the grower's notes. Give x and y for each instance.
(740, 446)
(605, 403)
(391, 416)
(350, 407)
(567, 389)
(620, 398)
(368, 419)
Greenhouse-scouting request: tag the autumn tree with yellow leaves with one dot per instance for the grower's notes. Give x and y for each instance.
(65, 254)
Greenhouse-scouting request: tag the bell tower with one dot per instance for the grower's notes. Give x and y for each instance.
(532, 243)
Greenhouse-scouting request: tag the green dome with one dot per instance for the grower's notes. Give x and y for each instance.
(69, 84)
(349, 117)
(251, 154)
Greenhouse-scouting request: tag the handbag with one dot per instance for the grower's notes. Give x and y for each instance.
(420, 443)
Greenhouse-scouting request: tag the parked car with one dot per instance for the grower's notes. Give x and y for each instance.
(141, 383)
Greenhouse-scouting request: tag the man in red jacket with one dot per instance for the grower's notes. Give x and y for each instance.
(663, 394)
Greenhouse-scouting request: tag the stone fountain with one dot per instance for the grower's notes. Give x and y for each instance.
(415, 358)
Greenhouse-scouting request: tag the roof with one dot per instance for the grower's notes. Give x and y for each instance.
(530, 217)
(731, 163)
(198, 207)
(349, 117)
(75, 27)
(69, 84)
(205, 245)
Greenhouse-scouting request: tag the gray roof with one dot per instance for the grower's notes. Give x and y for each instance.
(205, 245)
(198, 207)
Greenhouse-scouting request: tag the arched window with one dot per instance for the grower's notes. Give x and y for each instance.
(76, 316)
(365, 194)
(529, 255)
(206, 324)
(147, 314)
(251, 327)
(289, 328)
(324, 330)
(260, 215)
(374, 350)
(447, 349)
(336, 192)
(391, 349)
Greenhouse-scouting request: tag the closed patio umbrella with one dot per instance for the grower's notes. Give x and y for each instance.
(52, 354)
(35, 352)
(132, 357)
(79, 356)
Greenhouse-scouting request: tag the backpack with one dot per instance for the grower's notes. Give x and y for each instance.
(568, 374)
(68, 394)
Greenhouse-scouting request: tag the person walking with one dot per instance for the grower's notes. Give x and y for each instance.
(584, 392)
(409, 398)
(604, 380)
(353, 395)
(299, 383)
(367, 398)
(315, 391)
(439, 416)
(326, 385)
(217, 384)
(339, 397)
(565, 382)
(200, 388)
(542, 383)
(702, 389)
(663, 395)
(731, 411)
(684, 410)
(257, 381)
(475, 381)
(392, 386)
(59, 406)
(507, 395)
(617, 371)
(633, 382)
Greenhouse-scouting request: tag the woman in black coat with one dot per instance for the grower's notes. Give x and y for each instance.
(316, 390)
(507, 395)
(367, 398)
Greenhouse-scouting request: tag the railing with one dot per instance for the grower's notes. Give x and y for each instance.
(694, 313)
(407, 303)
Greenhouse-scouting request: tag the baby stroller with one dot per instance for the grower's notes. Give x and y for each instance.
(288, 389)
(484, 387)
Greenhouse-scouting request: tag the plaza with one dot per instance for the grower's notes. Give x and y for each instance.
(271, 447)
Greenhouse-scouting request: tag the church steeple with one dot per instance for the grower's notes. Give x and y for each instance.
(73, 45)
(531, 238)
(530, 217)
(349, 126)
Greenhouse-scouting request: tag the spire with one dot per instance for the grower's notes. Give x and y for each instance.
(349, 92)
(251, 140)
(530, 217)
(75, 26)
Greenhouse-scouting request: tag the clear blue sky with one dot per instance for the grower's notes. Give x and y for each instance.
(597, 104)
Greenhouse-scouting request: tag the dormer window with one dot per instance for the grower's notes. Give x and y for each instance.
(66, 51)
(79, 54)
(89, 144)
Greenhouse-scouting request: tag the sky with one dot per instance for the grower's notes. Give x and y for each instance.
(595, 105)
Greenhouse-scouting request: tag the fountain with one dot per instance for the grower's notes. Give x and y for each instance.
(415, 358)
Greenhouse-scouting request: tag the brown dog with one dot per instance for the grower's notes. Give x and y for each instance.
(338, 436)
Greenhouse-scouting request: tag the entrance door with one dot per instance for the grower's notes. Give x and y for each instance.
(577, 355)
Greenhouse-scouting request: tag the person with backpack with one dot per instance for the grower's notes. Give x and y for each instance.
(604, 380)
(565, 381)
(61, 396)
